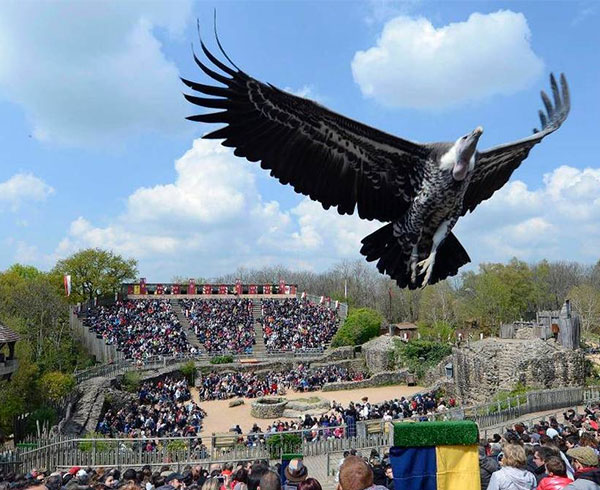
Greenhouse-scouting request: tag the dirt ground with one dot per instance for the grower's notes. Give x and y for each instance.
(220, 418)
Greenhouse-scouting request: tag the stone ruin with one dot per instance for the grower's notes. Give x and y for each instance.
(483, 368)
(565, 322)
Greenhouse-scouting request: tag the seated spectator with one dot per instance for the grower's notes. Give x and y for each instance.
(293, 324)
(222, 325)
(140, 328)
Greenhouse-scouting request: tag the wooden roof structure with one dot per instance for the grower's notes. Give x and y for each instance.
(7, 335)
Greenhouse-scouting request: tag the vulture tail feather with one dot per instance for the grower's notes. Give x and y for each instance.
(393, 260)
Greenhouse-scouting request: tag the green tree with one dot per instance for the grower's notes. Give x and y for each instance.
(95, 272)
(56, 385)
(360, 326)
(585, 299)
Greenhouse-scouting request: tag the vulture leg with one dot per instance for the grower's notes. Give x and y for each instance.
(414, 256)
(426, 265)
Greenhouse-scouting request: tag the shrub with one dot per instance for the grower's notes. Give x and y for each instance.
(221, 360)
(56, 385)
(360, 326)
(100, 445)
(279, 444)
(189, 371)
(419, 355)
(131, 381)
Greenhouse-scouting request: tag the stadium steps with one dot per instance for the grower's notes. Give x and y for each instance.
(185, 323)
(259, 349)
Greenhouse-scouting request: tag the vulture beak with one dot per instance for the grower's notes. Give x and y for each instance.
(465, 151)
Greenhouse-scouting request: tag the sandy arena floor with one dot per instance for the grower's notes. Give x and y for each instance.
(220, 418)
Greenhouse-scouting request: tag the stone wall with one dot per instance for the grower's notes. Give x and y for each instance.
(379, 353)
(268, 407)
(379, 379)
(356, 365)
(340, 353)
(485, 367)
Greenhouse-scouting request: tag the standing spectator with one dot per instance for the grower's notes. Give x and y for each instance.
(513, 475)
(557, 475)
(487, 466)
(295, 473)
(585, 464)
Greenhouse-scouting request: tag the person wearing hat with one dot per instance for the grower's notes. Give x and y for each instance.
(174, 481)
(295, 472)
(585, 464)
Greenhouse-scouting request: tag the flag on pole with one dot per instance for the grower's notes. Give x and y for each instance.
(67, 283)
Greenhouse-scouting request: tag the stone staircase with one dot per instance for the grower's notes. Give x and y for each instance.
(259, 349)
(187, 328)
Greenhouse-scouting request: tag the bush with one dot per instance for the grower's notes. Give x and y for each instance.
(100, 445)
(419, 355)
(56, 385)
(131, 381)
(189, 371)
(279, 444)
(221, 360)
(360, 326)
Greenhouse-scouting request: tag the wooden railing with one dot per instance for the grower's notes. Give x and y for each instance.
(127, 452)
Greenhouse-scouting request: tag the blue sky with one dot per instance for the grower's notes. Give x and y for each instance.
(96, 151)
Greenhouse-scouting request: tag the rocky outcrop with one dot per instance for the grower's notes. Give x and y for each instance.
(485, 367)
(379, 354)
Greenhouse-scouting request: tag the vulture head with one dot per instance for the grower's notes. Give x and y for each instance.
(464, 150)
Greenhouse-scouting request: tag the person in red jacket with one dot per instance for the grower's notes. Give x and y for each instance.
(557, 475)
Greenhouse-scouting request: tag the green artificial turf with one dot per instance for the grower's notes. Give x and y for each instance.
(422, 434)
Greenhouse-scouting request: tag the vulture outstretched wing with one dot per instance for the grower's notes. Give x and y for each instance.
(494, 167)
(334, 160)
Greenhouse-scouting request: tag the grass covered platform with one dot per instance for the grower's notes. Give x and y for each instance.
(423, 434)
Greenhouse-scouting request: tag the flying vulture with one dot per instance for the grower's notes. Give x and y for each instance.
(420, 190)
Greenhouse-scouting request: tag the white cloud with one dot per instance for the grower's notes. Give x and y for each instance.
(90, 72)
(557, 221)
(212, 220)
(307, 92)
(22, 188)
(415, 64)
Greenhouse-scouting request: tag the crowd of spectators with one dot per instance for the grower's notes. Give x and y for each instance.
(293, 324)
(355, 473)
(421, 406)
(140, 328)
(162, 408)
(222, 325)
(249, 384)
(547, 455)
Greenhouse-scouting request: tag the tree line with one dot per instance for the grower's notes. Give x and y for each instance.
(485, 298)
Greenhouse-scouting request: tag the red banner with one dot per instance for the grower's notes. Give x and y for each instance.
(130, 289)
(175, 289)
(281, 286)
(293, 290)
(160, 289)
(143, 286)
(222, 289)
(207, 289)
(238, 286)
(267, 289)
(252, 289)
(192, 287)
